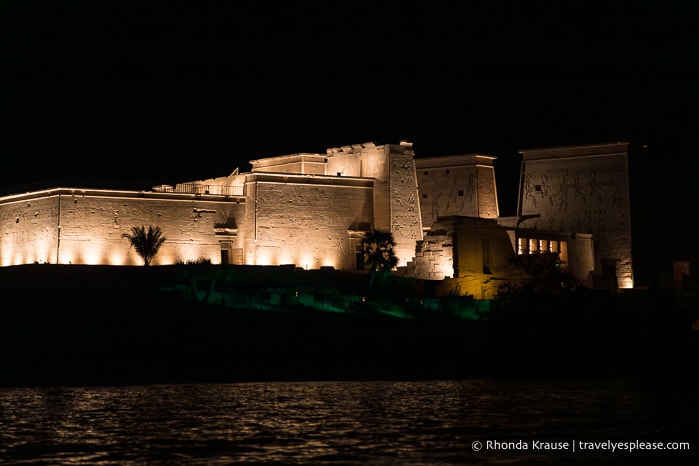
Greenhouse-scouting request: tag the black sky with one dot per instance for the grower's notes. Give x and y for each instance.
(163, 92)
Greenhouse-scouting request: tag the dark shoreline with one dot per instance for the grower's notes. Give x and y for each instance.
(102, 326)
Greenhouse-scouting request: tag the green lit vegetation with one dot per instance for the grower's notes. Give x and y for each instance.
(200, 321)
(287, 289)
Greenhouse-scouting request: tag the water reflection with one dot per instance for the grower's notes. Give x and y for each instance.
(313, 422)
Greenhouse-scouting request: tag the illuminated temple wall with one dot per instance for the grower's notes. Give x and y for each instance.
(396, 205)
(457, 185)
(92, 222)
(310, 222)
(306, 164)
(471, 252)
(582, 189)
(311, 210)
(28, 230)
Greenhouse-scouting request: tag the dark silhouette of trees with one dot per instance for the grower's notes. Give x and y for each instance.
(547, 291)
(201, 277)
(544, 275)
(146, 242)
(379, 255)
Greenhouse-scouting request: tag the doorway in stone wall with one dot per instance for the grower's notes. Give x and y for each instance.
(356, 252)
(609, 280)
(231, 255)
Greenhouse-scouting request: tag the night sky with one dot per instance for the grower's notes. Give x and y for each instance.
(144, 93)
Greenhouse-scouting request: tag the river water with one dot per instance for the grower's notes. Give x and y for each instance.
(366, 422)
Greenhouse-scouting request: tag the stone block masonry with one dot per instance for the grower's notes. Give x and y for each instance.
(68, 226)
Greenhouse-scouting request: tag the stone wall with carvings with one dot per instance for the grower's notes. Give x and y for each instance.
(396, 207)
(406, 224)
(433, 257)
(456, 185)
(472, 252)
(92, 223)
(311, 210)
(582, 189)
(28, 230)
(306, 224)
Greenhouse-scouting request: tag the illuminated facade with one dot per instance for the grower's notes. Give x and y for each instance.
(84, 226)
(573, 201)
(311, 210)
(583, 190)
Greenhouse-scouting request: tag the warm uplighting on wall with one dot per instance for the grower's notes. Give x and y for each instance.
(626, 283)
(329, 261)
(42, 252)
(285, 258)
(308, 262)
(116, 258)
(263, 258)
(170, 257)
(91, 256)
(302, 259)
(8, 255)
(445, 269)
(181, 253)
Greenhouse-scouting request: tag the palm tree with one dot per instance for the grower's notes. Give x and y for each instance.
(378, 253)
(145, 242)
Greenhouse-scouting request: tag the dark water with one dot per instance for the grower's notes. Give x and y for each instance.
(426, 422)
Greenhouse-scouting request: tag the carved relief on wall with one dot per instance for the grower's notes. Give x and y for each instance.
(562, 195)
(456, 202)
(617, 186)
(546, 188)
(339, 243)
(403, 189)
(580, 191)
(397, 226)
(397, 198)
(414, 227)
(411, 201)
(591, 187)
(529, 193)
(471, 187)
(436, 194)
(405, 227)
(404, 169)
(595, 187)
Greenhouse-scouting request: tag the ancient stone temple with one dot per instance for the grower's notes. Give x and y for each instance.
(573, 201)
(311, 210)
(582, 190)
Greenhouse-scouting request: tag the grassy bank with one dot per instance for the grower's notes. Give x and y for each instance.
(115, 325)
